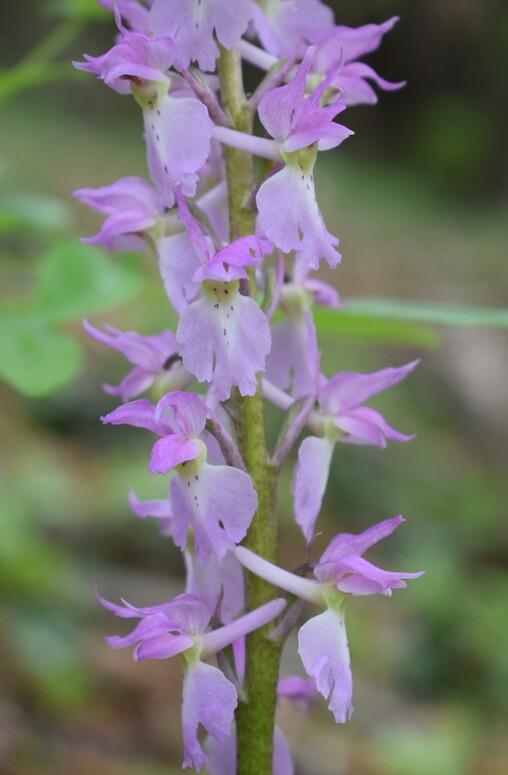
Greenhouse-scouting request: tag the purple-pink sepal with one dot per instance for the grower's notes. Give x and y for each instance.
(132, 206)
(192, 25)
(282, 26)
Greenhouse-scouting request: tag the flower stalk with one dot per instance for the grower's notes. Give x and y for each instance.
(255, 717)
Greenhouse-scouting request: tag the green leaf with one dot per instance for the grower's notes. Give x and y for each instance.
(34, 213)
(22, 77)
(84, 10)
(33, 359)
(347, 322)
(77, 280)
(431, 313)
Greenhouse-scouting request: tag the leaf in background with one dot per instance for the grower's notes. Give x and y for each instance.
(26, 76)
(428, 312)
(348, 322)
(33, 359)
(33, 213)
(48, 648)
(84, 10)
(76, 280)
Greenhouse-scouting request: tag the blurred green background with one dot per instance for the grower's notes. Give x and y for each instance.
(419, 199)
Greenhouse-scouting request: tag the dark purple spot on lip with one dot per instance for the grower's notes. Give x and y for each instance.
(158, 139)
(225, 332)
(196, 478)
(232, 308)
(165, 169)
(158, 112)
(216, 306)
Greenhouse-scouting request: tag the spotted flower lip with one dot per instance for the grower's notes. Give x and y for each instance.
(224, 336)
(288, 211)
(217, 501)
(140, 64)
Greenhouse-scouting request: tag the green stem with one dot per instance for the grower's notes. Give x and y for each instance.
(255, 717)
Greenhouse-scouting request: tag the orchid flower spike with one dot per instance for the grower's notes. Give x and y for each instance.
(341, 571)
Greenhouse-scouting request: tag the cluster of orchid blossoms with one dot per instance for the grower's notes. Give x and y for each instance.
(245, 325)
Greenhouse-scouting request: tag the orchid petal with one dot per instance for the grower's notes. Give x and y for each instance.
(345, 544)
(174, 153)
(349, 389)
(192, 24)
(224, 340)
(323, 647)
(208, 699)
(218, 503)
(290, 217)
(311, 477)
(140, 414)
